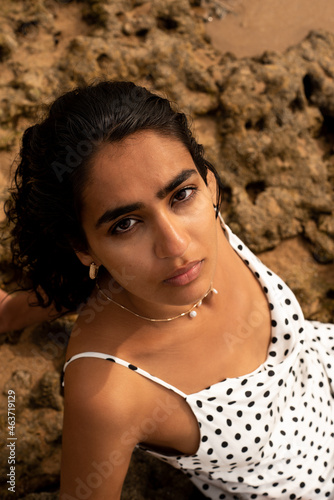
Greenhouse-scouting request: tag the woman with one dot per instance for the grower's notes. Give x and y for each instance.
(185, 344)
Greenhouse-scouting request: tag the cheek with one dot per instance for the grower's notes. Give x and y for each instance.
(205, 219)
(129, 264)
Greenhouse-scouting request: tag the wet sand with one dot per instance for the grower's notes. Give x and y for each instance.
(254, 26)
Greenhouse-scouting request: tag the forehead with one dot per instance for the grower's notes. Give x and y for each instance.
(141, 162)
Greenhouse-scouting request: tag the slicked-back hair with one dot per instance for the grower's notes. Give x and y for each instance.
(44, 208)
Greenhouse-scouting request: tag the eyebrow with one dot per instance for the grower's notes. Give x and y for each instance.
(112, 214)
(174, 183)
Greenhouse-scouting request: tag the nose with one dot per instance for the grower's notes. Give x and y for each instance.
(171, 238)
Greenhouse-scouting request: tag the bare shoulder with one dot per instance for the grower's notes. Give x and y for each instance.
(103, 391)
(95, 385)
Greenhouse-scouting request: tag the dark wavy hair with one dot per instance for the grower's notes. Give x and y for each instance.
(44, 208)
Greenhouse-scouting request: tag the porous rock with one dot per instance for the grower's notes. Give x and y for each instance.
(275, 155)
(47, 393)
(267, 123)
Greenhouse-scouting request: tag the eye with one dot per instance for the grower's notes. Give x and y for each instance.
(185, 194)
(123, 226)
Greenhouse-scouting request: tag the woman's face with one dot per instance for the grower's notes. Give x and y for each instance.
(149, 220)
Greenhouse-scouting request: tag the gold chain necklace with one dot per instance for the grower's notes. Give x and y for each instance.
(191, 312)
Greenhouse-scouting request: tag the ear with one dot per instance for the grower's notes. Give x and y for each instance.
(212, 186)
(86, 258)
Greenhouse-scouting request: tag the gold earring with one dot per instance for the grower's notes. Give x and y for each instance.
(93, 270)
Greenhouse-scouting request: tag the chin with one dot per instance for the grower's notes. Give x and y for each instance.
(189, 294)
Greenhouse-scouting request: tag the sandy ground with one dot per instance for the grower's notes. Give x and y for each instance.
(254, 26)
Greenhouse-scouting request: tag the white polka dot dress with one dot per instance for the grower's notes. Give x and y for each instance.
(268, 434)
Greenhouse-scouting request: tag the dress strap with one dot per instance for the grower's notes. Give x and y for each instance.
(225, 228)
(126, 364)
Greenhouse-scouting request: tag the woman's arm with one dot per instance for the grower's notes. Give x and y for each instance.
(17, 311)
(101, 427)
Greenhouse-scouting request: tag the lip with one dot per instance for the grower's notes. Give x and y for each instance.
(186, 274)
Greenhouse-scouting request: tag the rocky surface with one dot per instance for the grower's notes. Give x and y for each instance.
(267, 123)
